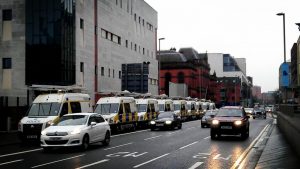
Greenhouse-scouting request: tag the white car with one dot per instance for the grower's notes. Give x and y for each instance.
(76, 129)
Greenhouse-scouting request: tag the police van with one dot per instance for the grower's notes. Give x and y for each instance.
(165, 105)
(120, 112)
(46, 109)
(191, 108)
(147, 110)
(180, 108)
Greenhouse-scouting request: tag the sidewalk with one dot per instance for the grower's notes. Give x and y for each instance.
(277, 153)
(9, 138)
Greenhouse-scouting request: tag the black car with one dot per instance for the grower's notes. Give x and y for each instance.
(166, 120)
(259, 113)
(207, 118)
(230, 120)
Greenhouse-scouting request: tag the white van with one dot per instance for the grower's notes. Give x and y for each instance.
(120, 112)
(180, 109)
(46, 109)
(191, 108)
(147, 110)
(165, 105)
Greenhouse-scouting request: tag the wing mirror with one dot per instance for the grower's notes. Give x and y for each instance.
(93, 123)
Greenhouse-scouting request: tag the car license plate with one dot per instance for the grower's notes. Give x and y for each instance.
(226, 127)
(32, 136)
(55, 138)
(159, 124)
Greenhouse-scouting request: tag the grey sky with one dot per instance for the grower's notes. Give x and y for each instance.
(243, 28)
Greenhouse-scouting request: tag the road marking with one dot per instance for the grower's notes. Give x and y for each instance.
(11, 162)
(197, 164)
(239, 160)
(21, 152)
(173, 132)
(130, 133)
(57, 161)
(190, 128)
(206, 137)
(188, 145)
(152, 137)
(118, 146)
(95, 163)
(151, 160)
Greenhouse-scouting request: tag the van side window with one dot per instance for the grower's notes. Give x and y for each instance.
(148, 108)
(75, 107)
(127, 108)
(64, 109)
(121, 109)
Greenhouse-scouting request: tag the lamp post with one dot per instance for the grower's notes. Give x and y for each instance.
(283, 16)
(158, 58)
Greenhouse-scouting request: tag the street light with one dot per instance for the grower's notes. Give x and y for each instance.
(282, 14)
(158, 58)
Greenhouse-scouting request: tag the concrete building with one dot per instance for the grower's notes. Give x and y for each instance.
(74, 44)
(256, 92)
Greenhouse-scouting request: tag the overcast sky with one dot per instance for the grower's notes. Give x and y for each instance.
(243, 28)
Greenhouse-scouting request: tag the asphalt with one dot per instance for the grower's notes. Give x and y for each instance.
(9, 138)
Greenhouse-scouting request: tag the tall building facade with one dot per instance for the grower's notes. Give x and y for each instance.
(77, 44)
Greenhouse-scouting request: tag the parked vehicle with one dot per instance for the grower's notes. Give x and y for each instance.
(259, 113)
(47, 109)
(191, 109)
(147, 110)
(207, 118)
(120, 112)
(165, 105)
(230, 120)
(167, 120)
(180, 109)
(77, 129)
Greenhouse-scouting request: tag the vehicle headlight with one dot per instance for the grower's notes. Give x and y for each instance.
(49, 123)
(215, 122)
(43, 133)
(168, 122)
(238, 122)
(152, 122)
(75, 131)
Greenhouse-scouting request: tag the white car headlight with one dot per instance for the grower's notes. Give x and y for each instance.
(238, 122)
(75, 131)
(215, 122)
(152, 122)
(43, 133)
(168, 122)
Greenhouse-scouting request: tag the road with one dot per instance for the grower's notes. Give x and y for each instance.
(188, 148)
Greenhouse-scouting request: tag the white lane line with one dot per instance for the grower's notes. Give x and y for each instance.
(188, 145)
(118, 146)
(151, 160)
(130, 133)
(190, 128)
(11, 162)
(57, 161)
(173, 132)
(21, 152)
(152, 137)
(95, 163)
(206, 137)
(239, 160)
(197, 164)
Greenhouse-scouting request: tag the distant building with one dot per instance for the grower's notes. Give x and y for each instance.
(228, 91)
(256, 92)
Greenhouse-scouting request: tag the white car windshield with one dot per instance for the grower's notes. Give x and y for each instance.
(229, 113)
(107, 108)
(142, 107)
(44, 109)
(73, 120)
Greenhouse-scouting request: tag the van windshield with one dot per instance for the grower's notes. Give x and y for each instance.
(44, 109)
(177, 106)
(107, 108)
(188, 106)
(142, 107)
(161, 107)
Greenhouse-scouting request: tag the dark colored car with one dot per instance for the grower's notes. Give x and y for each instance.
(259, 113)
(166, 120)
(207, 118)
(230, 120)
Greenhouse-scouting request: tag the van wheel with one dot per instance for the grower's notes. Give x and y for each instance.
(106, 139)
(85, 142)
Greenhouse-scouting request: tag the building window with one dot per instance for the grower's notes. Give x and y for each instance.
(7, 15)
(126, 43)
(81, 23)
(114, 69)
(131, 45)
(135, 47)
(121, 4)
(143, 51)
(108, 72)
(139, 19)
(180, 77)
(116, 2)
(102, 71)
(143, 22)
(139, 49)
(120, 74)
(135, 17)
(81, 67)
(6, 63)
